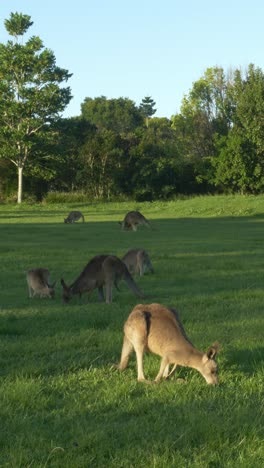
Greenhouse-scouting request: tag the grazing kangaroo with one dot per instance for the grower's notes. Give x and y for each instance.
(74, 216)
(132, 220)
(102, 270)
(158, 329)
(138, 262)
(38, 283)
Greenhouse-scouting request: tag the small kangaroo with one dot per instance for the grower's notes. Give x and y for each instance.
(158, 329)
(74, 216)
(38, 283)
(102, 270)
(138, 262)
(132, 220)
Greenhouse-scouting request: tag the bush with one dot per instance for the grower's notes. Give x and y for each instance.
(66, 197)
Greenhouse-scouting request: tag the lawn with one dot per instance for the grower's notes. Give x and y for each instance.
(63, 403)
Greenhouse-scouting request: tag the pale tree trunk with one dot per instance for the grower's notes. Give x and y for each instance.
(20, 184)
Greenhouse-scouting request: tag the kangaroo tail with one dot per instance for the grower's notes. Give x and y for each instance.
(132, 285)
(147, 316)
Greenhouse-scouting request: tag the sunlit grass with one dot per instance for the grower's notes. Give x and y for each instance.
(63, 404)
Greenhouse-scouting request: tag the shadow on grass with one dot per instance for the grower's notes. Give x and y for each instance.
(180, 242)
(138, 431)
(62, 213)
(247, 360)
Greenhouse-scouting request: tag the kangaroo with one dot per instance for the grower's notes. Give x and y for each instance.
(132, 220)
(158, 329)
(138, 262)
(38, 283)
(74, 216)
(102, 270)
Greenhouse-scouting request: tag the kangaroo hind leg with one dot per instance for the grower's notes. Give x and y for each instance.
(125, 354)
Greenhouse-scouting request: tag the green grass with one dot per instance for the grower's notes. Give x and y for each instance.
(62, 403)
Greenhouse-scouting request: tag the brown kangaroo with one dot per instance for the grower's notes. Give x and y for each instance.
(132, 220)
(138, 262)
(74, 216)
(102, 270)
(38, 283)
(158, 329)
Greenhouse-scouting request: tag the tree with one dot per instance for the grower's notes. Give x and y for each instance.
(100, 159)
(205, 114)
(240, 164)
(157, 169)
(117, 115)
(31, 96)
(250, 109)
(72, 134)
(147, 108)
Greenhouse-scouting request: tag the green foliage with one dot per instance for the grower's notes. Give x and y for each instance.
(99, 158)
(237, 167)
(66, 197)
(62, 402)
(117, 115)
(18, 24)
(147, 108)
(31, 96)
(220, 128)
(116, 149)
(8, 184)
(250, 109)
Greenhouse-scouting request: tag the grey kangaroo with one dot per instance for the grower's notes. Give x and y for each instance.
(138, 262)
(158, 329)
(74, 216)
(38, 280)
(132, 220)
(102, 270)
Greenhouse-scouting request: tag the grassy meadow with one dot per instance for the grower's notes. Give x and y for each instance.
(62, 402)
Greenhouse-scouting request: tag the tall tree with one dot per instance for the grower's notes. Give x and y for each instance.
(31, 95)
(100, 158)
(205, 113)
(240, 164)
(147, 107)
(117, 115)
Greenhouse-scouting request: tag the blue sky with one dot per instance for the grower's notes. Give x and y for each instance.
(138, 48)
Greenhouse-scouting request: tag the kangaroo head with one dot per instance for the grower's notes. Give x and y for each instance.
(123, 224)
(66, 294)
(51, 290)
(209, 368)
(147, 263)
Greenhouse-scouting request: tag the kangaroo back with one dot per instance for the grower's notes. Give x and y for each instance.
(158, 329)
(90, 278)
(114, 271)
(38, 280)
(133, 219)
(74, 216)
(138, 261)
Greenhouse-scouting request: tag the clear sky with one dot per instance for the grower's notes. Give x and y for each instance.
(137, 48)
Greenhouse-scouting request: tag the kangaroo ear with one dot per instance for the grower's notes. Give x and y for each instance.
(63, 283)
(213, 350)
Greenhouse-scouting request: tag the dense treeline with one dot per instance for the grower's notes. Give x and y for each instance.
(115, 148)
